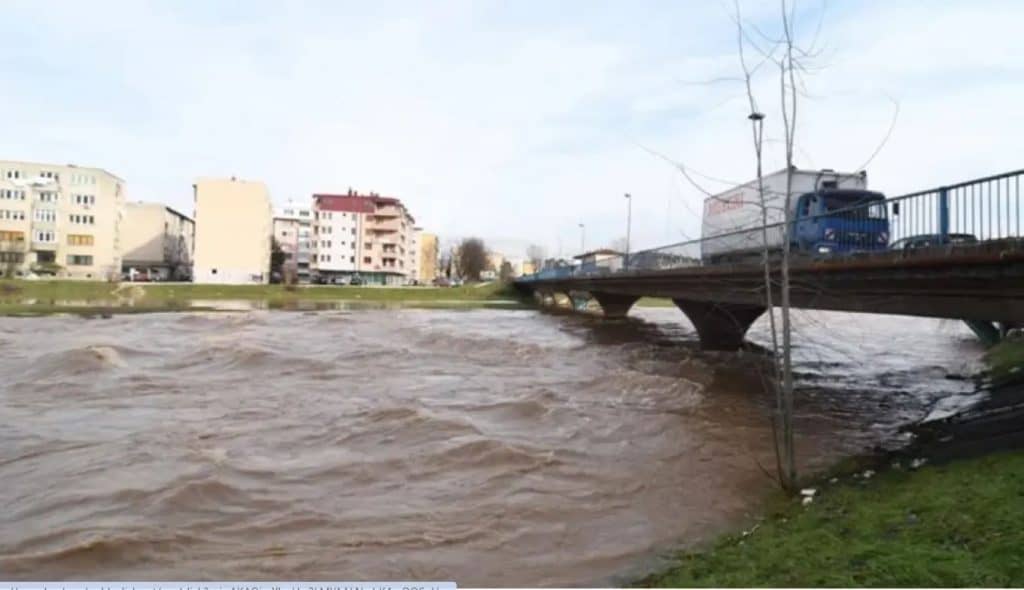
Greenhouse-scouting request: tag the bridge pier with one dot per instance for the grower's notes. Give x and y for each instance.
(579, 300)
(614, 305)
(720, 326)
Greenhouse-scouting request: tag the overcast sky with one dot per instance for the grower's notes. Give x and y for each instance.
(514, 120)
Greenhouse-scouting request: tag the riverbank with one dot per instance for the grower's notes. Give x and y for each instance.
(43, 297)
(958, 524)
(1006, 361)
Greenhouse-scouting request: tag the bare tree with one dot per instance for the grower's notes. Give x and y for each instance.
(472, 259)
(757, 120)
(782, 359)
(505, 273)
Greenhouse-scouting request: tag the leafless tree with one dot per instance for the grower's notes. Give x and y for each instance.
(471, 259)
(788, 66)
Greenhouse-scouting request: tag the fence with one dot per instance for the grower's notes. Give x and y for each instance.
(934, 221)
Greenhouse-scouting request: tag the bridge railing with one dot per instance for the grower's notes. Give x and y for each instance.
(962, 215)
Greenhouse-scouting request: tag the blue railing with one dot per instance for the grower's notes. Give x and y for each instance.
(934, 221)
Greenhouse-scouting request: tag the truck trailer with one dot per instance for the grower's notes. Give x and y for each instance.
(832, 213)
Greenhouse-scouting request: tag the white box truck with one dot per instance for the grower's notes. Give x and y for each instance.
(832, 213)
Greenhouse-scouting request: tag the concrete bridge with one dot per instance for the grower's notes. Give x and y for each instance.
(964, 259)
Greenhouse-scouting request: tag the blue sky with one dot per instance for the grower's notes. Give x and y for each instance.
(513, 120)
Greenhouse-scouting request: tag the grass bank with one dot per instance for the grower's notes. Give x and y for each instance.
(1006, 361)
(36, 297)
(959, 524)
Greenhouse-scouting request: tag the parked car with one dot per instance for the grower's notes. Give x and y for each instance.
(923, 241)
(442, 282)
(356, 281)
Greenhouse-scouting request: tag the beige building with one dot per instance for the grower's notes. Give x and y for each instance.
(60, 220)
(368, 238)
(427, 270)
(157, 243)
(234, 223)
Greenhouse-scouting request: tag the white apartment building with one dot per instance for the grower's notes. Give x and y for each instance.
(293, 231)
(234, 225)
(362, 236)
(60, 220)
(157, 243)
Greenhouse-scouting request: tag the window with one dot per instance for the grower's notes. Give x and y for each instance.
(48, 197)
(84, 199)
(367, 246)
(45, 215)
(12, 236)
(79, 260)
(352, 259)
(12, 215)
(303, 213)
(49, 174)
(353, 231)
(13, 174)
(213, 271)
(80, 240)
(366, 260)
(10, 257)
(43, 236)
(82, 219)
(46, 256)
(14, 195)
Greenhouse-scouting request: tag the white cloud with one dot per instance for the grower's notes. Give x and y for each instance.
(512, 121)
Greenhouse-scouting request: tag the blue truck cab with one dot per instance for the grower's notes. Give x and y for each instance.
(833, 221)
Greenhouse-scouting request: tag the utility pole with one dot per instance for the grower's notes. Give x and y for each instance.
(629, 225)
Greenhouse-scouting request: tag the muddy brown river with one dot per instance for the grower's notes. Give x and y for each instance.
(489, 447)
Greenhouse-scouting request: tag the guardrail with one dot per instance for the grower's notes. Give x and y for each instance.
(961, 215)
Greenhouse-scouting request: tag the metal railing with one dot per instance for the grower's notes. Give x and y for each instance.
(958, 216)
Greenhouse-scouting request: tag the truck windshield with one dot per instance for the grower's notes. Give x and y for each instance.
(854, 205)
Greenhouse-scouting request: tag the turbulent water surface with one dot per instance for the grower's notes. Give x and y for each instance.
(490, 447)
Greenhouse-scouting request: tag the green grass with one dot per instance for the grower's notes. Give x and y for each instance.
(43, 297)
(1006, 361)
(655, 302)
(960, 524)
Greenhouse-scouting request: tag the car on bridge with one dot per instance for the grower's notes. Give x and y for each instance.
(925, 241)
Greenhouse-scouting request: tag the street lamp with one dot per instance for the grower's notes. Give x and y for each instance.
(629, 226)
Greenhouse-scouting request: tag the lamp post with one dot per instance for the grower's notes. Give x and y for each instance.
(629, 226)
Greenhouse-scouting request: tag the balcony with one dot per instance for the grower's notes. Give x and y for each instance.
(388, 211)
(392, 224)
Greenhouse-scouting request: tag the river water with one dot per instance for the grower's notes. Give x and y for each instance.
(489, 447)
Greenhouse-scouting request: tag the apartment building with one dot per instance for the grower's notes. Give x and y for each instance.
(60, 220)
(293, 231)
(365, 236)
(427, 269)
(412, 252)
(157, 243)
(234, 224)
